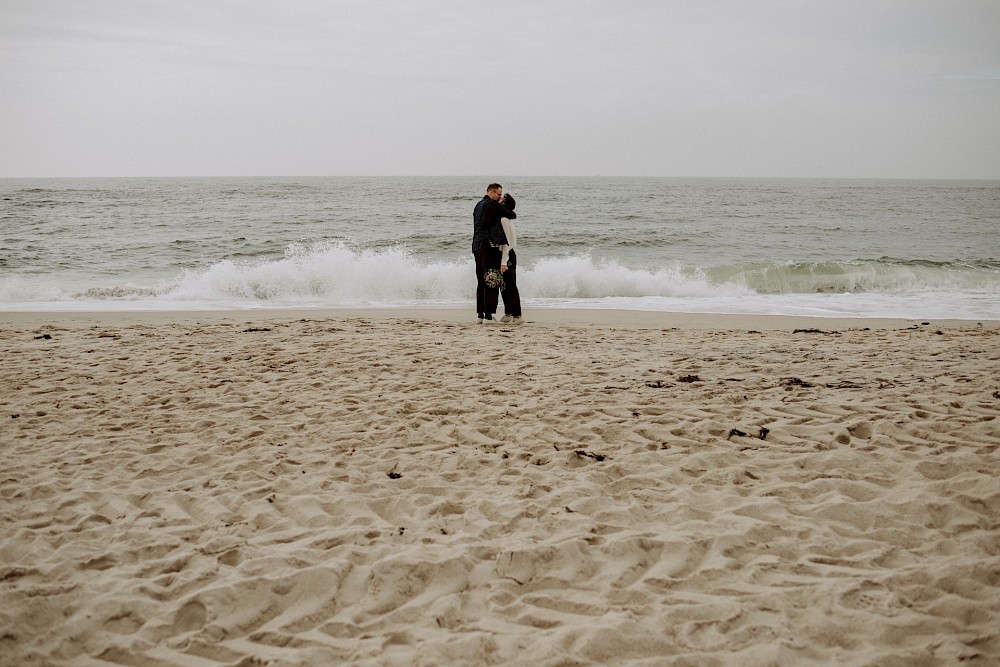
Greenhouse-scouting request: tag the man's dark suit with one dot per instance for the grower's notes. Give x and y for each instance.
(485, 216)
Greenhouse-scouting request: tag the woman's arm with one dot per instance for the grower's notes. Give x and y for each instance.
(508, 231)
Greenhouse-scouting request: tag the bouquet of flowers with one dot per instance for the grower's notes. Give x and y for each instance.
(493, 278)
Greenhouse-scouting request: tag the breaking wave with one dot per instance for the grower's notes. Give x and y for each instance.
(335, 275)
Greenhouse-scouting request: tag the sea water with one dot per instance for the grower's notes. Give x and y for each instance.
(844, 248)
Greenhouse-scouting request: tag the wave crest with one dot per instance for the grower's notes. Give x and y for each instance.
(883, 275)
(336, 274)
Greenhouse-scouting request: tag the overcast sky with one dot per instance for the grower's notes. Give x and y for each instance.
(842, 88)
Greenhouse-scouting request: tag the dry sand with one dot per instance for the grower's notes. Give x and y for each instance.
(591, 488)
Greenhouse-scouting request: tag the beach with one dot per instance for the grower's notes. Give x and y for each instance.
(387, 487)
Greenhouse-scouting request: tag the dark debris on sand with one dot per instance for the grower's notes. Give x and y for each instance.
(743, 434)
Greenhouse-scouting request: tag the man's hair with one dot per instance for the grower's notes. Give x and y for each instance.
(492, 187)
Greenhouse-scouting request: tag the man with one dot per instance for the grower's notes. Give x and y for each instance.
(485, 217)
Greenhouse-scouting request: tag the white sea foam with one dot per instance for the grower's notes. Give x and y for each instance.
(335, 275)
(581, 277)
(331, 273)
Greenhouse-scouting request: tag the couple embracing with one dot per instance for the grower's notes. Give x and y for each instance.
(493, 243)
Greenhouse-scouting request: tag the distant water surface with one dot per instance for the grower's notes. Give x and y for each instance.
(882, 248)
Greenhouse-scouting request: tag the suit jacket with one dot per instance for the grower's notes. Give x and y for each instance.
(485, 217)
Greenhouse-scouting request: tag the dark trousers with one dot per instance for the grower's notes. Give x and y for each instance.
(511, 297)
(486, 297)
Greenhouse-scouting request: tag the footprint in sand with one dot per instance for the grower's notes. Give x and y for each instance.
(871, 597)
(124, 623)
(190, 617)
(939, 470)
(862, 430)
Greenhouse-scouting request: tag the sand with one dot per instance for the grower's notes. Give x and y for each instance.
(591, 488)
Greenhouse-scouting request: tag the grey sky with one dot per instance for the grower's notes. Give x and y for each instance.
(843, 88)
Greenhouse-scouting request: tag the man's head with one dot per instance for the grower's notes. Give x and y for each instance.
(494, 191)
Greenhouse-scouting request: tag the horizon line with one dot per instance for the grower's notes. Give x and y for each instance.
(481, 176)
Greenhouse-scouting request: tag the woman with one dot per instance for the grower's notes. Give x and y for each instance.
(508, 265)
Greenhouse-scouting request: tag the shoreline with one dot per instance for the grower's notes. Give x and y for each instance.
(547, 316)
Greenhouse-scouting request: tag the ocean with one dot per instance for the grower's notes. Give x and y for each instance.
(822, 248)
